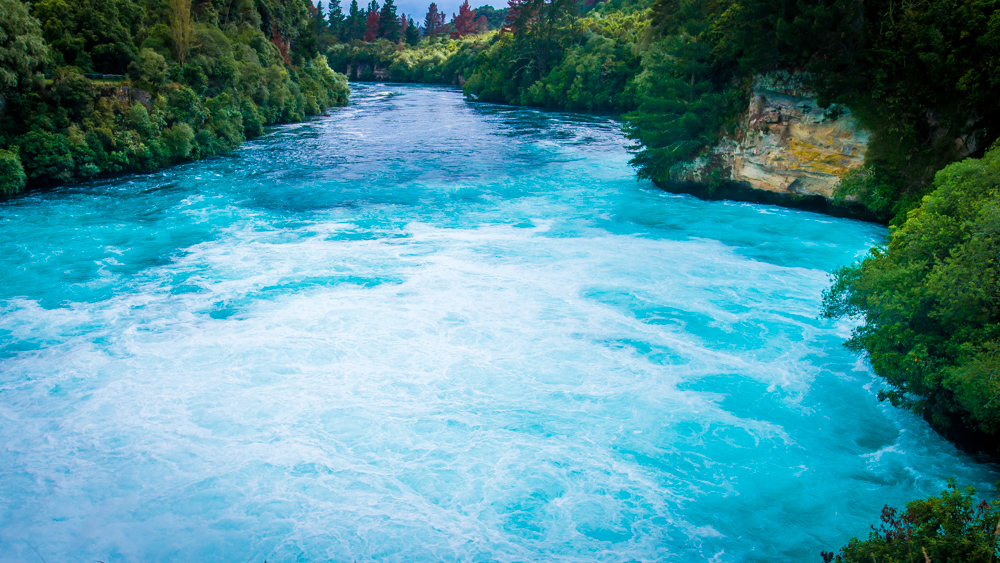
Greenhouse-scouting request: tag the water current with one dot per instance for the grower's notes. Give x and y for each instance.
(424, 329)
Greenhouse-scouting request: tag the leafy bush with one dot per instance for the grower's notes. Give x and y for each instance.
(874, 188)
(47, 157)
(12, 175)
(178, 140)
(951, 528)
(930, 304)
(149, 68)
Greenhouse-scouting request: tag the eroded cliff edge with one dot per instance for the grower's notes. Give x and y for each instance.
(787, 150)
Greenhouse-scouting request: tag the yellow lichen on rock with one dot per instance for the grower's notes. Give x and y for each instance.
(786, 143)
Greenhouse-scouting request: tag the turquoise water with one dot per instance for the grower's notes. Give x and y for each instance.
(422, 329)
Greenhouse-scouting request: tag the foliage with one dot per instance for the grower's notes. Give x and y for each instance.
(930, 303)
(875, 188)
(556, 60)
(433, 21)
(388, 22)
(247, 64)
(951, 528)
(581, 63)
(181, 29)
(22, 49)
(494, 18)
(925, 81)
(93, 35)
(430, 62)
(12, 175)
(683, 107)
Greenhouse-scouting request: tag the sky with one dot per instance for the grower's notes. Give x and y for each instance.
(418, 8)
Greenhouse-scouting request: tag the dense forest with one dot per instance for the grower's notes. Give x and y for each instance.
(91, 87)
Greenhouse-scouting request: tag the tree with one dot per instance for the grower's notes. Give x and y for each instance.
(319, 19)
(433, 21)
(464, 22)
(482, 24)
(149, 68)
(371, 21)
(513, 18)
(180, 28)
(680, 109)
(355, 25)
(412, 33)
(22, 48)
(12, 175)
(336, 20)
(388, 22)
(94, 35)
(494, 18)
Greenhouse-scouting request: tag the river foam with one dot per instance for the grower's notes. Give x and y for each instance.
(423, 329)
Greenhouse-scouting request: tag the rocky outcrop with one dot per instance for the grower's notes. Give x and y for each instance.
(787, 150)
(364, 72)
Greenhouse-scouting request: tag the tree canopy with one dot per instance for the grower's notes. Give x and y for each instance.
(22, 48)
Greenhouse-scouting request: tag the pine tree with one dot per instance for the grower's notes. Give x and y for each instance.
(355, 25)
(412, 33)
(433, 21)
(336, 20)
(464, 22)
(319, 19)
(388, 23)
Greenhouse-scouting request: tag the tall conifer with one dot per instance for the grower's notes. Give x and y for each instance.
(464, 22)
(412, 33)
(388, 23)
(355, 23)
(336, 20)
(371, 21)
(433, 20)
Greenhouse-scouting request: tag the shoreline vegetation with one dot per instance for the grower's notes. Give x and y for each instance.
(187, 81)
(198, 78)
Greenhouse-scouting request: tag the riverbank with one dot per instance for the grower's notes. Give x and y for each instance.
(168, 102)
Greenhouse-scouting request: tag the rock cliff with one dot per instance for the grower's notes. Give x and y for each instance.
(787, 150)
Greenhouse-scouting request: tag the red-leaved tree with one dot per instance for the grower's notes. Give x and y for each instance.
(464, 22)
(371, 26)
(434, 20)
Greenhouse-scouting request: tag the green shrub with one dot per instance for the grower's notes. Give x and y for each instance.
(178, 140)
(12, 177)
(930, 304)
(47, 157)
(951, 528)
(149, 68)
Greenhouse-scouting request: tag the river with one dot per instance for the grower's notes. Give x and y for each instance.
(424, 329)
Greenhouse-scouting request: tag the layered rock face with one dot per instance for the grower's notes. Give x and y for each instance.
(786, 145)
